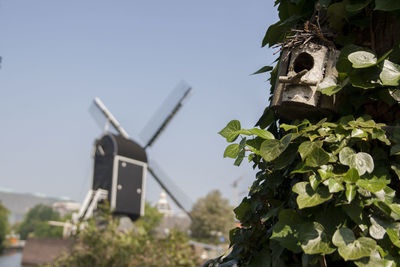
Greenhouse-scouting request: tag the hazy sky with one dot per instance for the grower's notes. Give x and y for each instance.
(58, 55)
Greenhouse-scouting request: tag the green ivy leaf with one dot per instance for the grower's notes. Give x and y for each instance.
(355, 211)
(287, 127)
(349, 247)
(395, 93)
(286, 158)
(232, 151)
(387, 5)
(329, 91)
(390, 74)
(351, 176)
(325, 171)
(271, 149)
(263, 70)
(396, 168)
(307, 197)
(261, 258)
(362, 247)
(314, 181)
(337, 15)
(343, 65)
(395, 150)
(374, 261)
(378, 228)
(395, 208)
(343, 237)
(334, 186)
(361, 161)
(362, 59)
(240, 157)
(242, 210)
(350, 192)
(358, 5)
(358, 133)
(231, 131)
(346, 155)
(266, 119)
(365, 78)
(329, 86)
(314, 239)
(285, 231)
(317, 157)
(394, 237)
(373, 185)
(306, 147)
(259, 132)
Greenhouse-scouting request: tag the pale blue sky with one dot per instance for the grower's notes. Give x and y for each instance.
(59, 55)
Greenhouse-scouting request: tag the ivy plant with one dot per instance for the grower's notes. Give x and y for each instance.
(327, 190)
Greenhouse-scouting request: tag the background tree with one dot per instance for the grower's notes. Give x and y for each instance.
(212, 218)
(327, 190)
(35, 223)
(106, 245)
(4, 226)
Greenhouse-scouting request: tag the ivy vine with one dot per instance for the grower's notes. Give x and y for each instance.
(327, 190)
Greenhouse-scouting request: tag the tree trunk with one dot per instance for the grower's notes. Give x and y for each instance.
(385, 32)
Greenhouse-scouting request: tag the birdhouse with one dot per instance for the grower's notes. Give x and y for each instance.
(301, 70)
(120, 167)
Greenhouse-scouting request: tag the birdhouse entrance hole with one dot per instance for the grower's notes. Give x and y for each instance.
(304, 61)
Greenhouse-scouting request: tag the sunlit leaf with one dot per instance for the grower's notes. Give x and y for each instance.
(346, 155)
(394, 237)
(307, 197)
(314, 239)
(350, 192)
(373, 185)
(259, 132)
(377, 229)
(390, 74)
(334, 186)
(232, 151)
(351, 248)
(230, 132)
(271, 149)
(351, 176)
(343, 237)
(362, 59)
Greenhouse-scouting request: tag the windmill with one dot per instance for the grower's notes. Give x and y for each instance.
(121, 163)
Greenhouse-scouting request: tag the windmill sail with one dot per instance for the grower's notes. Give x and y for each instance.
(173, 191)
(165, 113)
(109, 117)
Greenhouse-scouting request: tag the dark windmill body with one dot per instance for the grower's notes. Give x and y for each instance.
(120, 167)
(121, 164)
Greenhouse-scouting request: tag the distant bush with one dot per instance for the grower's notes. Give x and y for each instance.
(36, 224)
(3, 225)
(102, 243)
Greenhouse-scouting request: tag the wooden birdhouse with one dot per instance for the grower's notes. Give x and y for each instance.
(301, 70)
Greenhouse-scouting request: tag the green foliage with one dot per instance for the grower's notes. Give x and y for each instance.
(4, 226)
(212, 218)
(36, 224)
(101, 243)
(326, 192)
(332, 172)
(150, 220)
